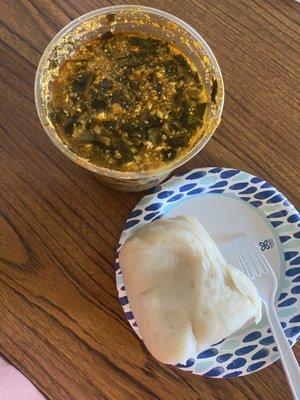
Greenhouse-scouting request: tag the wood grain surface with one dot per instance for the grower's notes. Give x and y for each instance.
(60, 319)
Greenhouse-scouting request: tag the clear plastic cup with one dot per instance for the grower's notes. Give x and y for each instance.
(137, 19)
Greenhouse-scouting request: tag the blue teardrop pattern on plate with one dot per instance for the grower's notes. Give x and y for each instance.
(249, 190)
(154, 207)
(256, 179)
(284, 239)
(288, 255)
(266, 341)
(295, 261)
(290, 332)
(264, 194)
(219, 184)
(278, 214)
(207, 353)
(252, 336)
(276, 223)
(233, 374)
(256, 204)
(287, 302)
(216, 191)
(296, 318)
(135, 213)
(237, 363)
(189, 363)
(215, 170)
(123, 300)
(262, 353)
(229, 173)
(217, 371)
(175, 198)
(275, 199)
(196, 175)
(293, 218)
(187, 187)
(295, 290)
(224, 357)
(150, 216)
(239, 186)
(266, 185)
(165, 194)
(245, 350)
(129, 315)
(255, 366)
(196, 191)
(245, 198)
(129, 224)
(292, 271)
(297, 279)
(282, 296)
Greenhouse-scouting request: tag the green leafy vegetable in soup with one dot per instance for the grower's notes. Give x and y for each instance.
(128, 102)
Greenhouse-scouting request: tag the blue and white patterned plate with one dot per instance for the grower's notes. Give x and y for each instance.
(229, 202)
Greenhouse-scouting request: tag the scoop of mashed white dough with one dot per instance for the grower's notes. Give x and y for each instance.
(183, 294)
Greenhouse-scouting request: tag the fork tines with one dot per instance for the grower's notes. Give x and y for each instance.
(251, 261)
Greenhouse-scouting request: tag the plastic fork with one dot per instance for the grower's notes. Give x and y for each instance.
(249, 258)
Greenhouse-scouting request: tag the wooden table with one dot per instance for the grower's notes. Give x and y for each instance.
(60, 318)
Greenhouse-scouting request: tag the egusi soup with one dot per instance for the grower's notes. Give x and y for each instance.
(128, 102)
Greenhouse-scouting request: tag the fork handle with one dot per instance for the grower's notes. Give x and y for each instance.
(288, 359)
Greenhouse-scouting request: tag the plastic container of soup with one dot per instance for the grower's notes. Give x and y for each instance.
(126, 19)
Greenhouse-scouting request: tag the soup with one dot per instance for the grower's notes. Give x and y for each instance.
(128, 102)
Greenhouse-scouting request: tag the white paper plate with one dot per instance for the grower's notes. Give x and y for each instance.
(228, 202)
